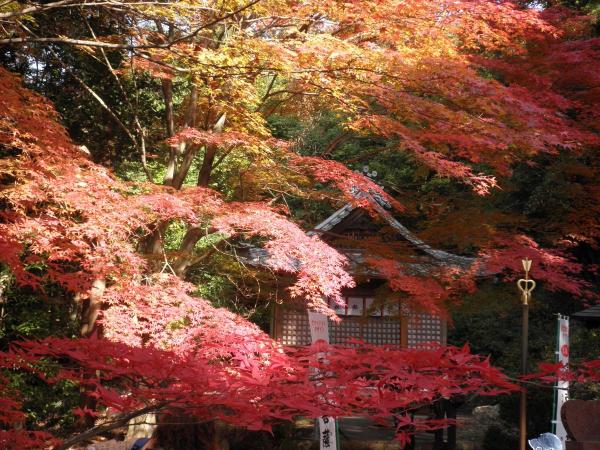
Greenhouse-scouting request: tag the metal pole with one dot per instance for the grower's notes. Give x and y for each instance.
(523, 406)
(525, 285)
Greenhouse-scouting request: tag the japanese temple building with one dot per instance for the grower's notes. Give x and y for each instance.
(371, 312)
(364, 316)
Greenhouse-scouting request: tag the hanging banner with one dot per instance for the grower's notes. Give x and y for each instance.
(319, 330)
(561, 394)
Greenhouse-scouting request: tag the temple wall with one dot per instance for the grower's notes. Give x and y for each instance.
(413, 330)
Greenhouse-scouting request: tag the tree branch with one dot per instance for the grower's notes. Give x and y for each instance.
(88, 43)
(139, 128)
(35, 9)
(120, 421)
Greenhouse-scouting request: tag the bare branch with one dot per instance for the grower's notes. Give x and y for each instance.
(66, 40)
(89, 43)
(35, 9)
(213, 22)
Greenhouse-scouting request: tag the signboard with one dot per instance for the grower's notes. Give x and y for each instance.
(319, 330)
(319, 327)
(327, 433)
(561, 394)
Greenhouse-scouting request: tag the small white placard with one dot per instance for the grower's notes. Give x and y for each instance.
(355, 306)
(327, 435)
(319, 326)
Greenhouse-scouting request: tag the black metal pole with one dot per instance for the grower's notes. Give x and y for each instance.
(526, 286)
(523, 408)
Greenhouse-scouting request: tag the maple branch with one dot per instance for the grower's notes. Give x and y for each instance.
(189, 151)
(268, 91)
(160, 63)
(213, 22)
(186, 163)
(88, 43)
(151, 243)
(66, 40)
(167, 89)
(35, 9)
(118, 422)
(190, 239)
(335, 143)
(222, 157)
(278, 104)
(289, 91)
(139, 145)
(271, 84)
(101, 102)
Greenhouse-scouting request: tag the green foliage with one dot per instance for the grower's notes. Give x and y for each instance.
(48, 406)
(174, 235)
(235, 288)
(26, 315)
(285, 127)
(133, 170)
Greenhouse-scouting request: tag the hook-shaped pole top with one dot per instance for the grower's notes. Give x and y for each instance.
(526, 266)
(526, 285)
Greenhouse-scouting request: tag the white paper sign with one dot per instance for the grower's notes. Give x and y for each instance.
(355, 306)
(319, 327)
(319, 330)
(327, 433)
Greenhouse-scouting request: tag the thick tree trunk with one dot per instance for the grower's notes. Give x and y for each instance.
(173, 176)
(207, 166)
(218, 440)
(209, 156)
(186, 248)
(184, 168)
(88, 327)
(167, 88)
(172, 173)
(153, 244)
(92, 307)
